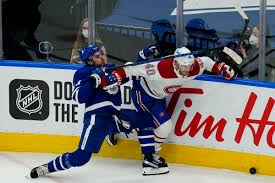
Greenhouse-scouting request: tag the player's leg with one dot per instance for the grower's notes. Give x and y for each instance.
(92, 137)
(152, 164)
(156, 108)
(63, 162)
(141, 122)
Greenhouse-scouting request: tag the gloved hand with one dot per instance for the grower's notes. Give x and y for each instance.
(108, 81)
(154, 50)
(225, 71)
(148, 51)
(96, 75)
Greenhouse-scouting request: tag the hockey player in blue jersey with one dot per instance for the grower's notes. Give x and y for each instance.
(98, 119)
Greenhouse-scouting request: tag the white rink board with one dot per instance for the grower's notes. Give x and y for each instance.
(219, 100)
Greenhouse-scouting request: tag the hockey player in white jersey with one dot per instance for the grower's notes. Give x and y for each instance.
(162, 78)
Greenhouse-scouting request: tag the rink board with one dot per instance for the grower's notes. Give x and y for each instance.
(216, 123)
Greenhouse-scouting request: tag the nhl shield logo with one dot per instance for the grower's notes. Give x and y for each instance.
(29, 99)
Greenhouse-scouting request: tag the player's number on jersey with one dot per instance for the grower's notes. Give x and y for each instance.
(127, 95)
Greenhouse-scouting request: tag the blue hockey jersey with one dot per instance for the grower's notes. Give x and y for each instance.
(97, 101)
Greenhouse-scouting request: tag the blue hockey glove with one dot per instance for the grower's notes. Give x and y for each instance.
(154, 50)
(147, 52)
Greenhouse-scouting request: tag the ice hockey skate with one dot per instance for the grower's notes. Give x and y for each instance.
(111, 139)
(153, 164)
(39, 171)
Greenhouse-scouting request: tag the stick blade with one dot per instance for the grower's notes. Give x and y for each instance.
(240, 11)
(233, 55)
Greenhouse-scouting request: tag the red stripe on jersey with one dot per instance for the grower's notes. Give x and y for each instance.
(195, 70)
(166, 68)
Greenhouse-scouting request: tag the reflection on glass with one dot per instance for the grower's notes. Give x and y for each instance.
(82, 41)
(250, 52)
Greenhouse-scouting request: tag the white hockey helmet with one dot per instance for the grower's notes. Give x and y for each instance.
(184, 60)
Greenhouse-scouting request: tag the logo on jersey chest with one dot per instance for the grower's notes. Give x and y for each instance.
(171, 89)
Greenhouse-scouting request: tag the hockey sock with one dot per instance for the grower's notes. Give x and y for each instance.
(146, 140)
(68, 160)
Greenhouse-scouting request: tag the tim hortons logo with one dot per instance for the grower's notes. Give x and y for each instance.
(209, 126)
(29, 99)
(246, 121)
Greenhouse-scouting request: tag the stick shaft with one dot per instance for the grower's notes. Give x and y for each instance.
(199, 52)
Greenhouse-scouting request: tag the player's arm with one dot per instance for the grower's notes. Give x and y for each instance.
(220, 69)
(150, 71)
(85, 85)
(147, 70)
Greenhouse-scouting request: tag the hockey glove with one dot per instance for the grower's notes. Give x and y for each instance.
(148, 51)
(96, 75)
(110, 80)
(224, 70)
(154, 50)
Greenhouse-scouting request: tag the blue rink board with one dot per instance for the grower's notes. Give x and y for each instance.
(50, 65)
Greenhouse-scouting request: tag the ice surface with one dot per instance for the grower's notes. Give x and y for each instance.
(15, 166)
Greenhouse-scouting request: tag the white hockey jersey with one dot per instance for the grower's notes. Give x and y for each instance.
(160, 79)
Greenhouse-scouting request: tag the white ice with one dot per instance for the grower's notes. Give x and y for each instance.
(15, 166)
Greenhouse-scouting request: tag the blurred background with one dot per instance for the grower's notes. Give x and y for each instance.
(54, 31)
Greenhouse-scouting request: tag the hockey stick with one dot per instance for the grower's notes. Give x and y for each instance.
(235, 57)
(246, 21)
(270, 36)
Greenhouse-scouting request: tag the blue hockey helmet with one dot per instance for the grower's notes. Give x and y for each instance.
(87, 52)
(198, 26)
(160, 27)
(197, 23)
